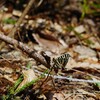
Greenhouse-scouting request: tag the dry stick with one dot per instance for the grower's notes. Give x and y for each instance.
(19, 21)
(70, 79)
(38, 57)
(32, 53)
(2, 3)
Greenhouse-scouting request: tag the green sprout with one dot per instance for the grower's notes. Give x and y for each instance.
(9, 21)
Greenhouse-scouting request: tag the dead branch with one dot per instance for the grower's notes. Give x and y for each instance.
(19, 21)
(32, 53)
(69, 78)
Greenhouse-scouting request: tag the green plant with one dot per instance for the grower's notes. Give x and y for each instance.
(9, 21)
(90, 7)
(85, 8)
(13, 91)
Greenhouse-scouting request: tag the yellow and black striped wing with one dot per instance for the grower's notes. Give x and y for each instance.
(60, 62)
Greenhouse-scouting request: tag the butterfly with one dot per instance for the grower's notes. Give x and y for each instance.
(58, 63)
(61, 61)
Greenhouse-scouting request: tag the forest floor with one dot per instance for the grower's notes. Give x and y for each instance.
(51, 52)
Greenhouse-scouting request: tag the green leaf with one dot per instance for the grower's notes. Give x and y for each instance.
(29, 64)
(9, 21)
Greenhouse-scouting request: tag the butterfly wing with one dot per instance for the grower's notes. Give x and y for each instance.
(61, 61)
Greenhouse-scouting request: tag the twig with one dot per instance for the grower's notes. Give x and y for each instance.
(19, 21)
(70, 79)
(32, 53)
(76, 80)
(2, 2)
(22, 17)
